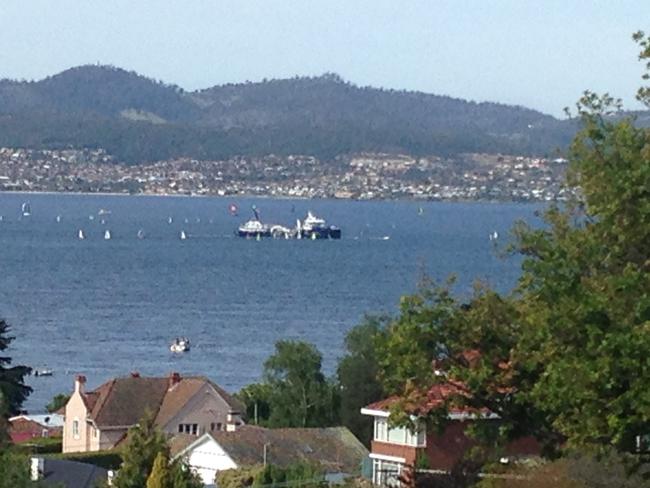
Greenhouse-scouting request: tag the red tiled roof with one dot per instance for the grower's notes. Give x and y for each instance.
(435, 398)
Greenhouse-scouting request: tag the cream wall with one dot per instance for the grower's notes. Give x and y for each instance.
(75, 409)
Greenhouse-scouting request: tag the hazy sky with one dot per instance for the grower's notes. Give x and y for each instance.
(537, 53)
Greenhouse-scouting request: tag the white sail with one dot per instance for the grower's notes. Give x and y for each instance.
(183, 235)
(107, 234)
(81, 235)
(141, 234)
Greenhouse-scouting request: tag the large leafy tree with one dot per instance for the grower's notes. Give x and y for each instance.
(12, 378)
(358, 376)
(565, 356)
(300, 395)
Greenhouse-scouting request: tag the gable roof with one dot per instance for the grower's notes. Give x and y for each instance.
(336, 449)
(122, 402)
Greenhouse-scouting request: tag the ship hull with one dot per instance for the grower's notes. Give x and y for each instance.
(321, 233)
(253, 234)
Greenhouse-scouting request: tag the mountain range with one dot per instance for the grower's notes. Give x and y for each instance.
(138, 119)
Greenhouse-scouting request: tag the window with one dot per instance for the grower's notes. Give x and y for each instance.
(386, 473)
(398, 435)
(381, 429)
(75, 428)
(215, 426)
(188, 429)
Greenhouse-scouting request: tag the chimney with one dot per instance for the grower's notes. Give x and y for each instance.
(174, 378)
(79, 383)
(36, 468)
(233, 421)
(135, 374)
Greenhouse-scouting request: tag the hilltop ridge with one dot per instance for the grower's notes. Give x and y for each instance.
(139, 119)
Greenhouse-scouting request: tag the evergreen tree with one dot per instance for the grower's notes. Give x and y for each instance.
(160, 476)
(144, 443)
(12, 378)
(182, 476)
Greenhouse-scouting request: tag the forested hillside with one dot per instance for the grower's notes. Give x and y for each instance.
(139, 119)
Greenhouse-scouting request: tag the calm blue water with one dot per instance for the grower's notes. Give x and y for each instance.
(105, 308)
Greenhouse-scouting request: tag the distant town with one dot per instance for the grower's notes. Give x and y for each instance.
(361, 176)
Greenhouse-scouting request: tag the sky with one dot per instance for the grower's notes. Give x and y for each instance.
(540, 54)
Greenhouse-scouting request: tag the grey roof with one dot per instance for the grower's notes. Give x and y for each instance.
(72, 474)
(336, 449)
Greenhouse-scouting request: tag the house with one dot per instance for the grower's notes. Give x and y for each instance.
(25, 427)
(99, 419)
(336, 449)
(60, 473)
(393, 449)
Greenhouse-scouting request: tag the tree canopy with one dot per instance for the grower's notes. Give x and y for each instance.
(565, 356)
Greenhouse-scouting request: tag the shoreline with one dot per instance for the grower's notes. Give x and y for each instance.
(279, 197)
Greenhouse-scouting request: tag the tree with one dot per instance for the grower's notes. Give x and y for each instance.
(358, 376)
(12, 378)
(256, 397)
(564, 356)
(182, 476)
(300, 394)
(59, 401)
(144, 443)
(160, 476)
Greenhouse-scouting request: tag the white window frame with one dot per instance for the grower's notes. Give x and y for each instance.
(75, 428)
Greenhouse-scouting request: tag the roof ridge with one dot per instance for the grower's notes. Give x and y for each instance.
(101, 401)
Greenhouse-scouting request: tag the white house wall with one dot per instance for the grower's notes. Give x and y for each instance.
(207, 459)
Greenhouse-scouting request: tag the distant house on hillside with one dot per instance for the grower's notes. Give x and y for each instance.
(25, 427)
(99, 419)
(395, 449)
(336, 449)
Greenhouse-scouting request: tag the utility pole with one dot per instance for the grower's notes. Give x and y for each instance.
(266, 445)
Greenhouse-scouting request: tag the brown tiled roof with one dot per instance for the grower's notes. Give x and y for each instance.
(124, 401)
(335, 448)
(128, 399)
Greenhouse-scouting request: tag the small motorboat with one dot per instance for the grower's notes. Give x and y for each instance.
(42, 372)
(180, 344)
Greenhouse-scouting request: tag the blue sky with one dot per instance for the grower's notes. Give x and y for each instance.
(541, 54)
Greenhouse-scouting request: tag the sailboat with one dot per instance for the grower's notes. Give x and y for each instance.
(58, 218)
(81, 235)
(494, 236)
(420, 211)
(141, 234)
(183, 235)
(26, 209)
(170, 220)
(107, 234)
